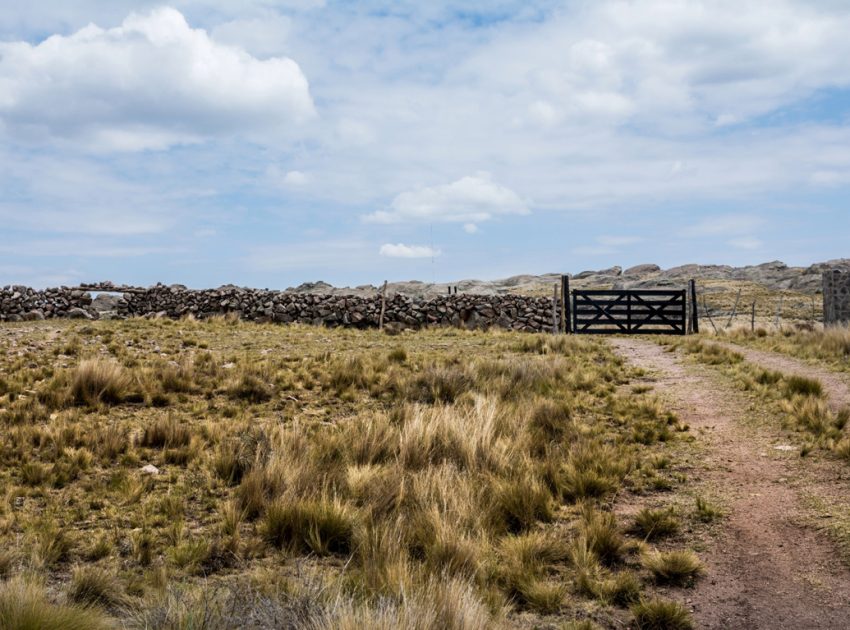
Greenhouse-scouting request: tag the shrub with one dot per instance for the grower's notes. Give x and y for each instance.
(679, 568)
(23, 605)
(659, 614)
(96, 381)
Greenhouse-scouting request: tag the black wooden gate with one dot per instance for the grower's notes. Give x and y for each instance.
(629, 311)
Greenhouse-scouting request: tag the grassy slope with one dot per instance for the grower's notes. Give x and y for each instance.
(329, 478)
(831, 347)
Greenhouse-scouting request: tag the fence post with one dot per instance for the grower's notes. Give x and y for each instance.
(692, 286)
(753, 318)
(734, 309)
(567, 324)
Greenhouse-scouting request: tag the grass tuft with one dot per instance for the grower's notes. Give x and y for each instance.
(96, 381)
(92, 586)
(677, 568)
(323, 526)
(24, 606)
(660, 614)
(652, 524)
(802, 386)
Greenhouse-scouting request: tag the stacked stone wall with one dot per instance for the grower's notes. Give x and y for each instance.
(513, 312)
(836, 297)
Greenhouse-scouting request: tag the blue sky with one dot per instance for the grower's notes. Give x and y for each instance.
(268, 143)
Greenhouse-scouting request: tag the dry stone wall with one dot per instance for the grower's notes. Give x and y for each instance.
(836, 296)
(512, 312)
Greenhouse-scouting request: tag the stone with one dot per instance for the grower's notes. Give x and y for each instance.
(642, 270)
(78, 313)
(150, 469)
(33, 316)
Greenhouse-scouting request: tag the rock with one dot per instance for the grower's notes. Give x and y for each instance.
(78, 313)
(641, 270)
(33, 316)
(150, 469)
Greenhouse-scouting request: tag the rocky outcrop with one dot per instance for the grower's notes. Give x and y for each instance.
(774, 276)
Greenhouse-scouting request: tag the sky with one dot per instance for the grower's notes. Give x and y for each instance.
(268, 143)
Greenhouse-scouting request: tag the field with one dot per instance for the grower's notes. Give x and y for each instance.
(159, 474)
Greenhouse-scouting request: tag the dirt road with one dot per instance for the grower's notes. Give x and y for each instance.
(765, 569)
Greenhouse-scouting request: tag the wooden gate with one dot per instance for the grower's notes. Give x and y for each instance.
(629, 311)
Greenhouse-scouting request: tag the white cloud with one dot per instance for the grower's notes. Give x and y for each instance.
(746, 242)
(618, 241)
(724, 225)
(470, 200)
(295, 178)
(401, 250)
(148, 84)
(263, 35)
(607, 245)
(470, 228)
(328, 255)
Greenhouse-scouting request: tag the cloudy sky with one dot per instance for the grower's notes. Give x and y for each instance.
(271, 142)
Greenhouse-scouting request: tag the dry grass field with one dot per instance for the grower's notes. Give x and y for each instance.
(159, 474)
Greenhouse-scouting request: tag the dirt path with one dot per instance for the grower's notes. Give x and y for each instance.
(764, 569)
(835, 385)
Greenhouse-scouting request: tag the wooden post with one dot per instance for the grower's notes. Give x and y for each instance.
(555, 310)
(708, 313)
(383, 306)
(734, 309)
(692, 285)
(753, 318)
(778, 320)
(567, 325)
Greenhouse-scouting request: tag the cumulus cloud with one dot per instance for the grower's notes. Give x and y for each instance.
(469, 200)
(149, 83)
(400, 250)
(746, 242)
(607, 245)
(724, 225)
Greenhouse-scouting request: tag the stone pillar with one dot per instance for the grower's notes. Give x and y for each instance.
(836, 297)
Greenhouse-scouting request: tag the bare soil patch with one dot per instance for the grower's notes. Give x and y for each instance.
(766, 568)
